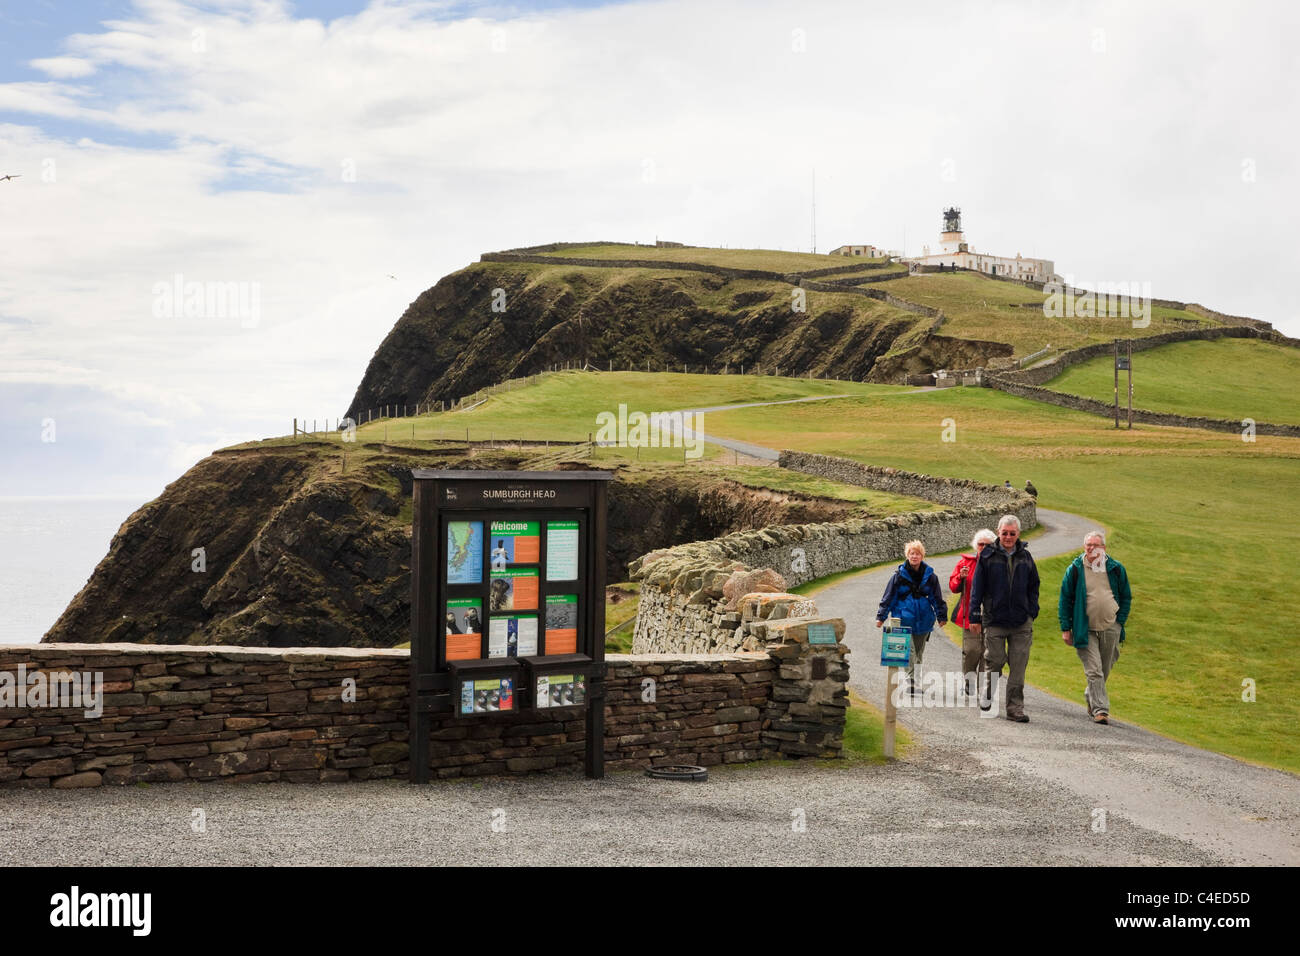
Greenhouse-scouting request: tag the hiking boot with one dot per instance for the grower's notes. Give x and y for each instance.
(1019, 718)
(1101, 717)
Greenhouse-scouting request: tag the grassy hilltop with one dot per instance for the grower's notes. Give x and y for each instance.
(499, 320)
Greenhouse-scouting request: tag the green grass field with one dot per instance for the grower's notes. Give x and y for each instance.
(981, 308)
(1228, 378)
(772, 260)
(1202, 521)
(565, 406)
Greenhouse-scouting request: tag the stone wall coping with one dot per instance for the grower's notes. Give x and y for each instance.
(663, 658)
(220, 651)
(301, 654)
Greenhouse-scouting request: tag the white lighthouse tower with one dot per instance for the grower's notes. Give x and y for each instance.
(951, 240)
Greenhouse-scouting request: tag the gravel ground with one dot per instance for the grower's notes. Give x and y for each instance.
(915, 812)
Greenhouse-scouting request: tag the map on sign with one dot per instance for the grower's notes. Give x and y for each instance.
(464, 552)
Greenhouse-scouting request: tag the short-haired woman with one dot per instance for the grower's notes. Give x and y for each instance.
(914, 597)
(972, 645)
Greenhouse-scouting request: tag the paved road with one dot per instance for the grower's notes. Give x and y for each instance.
(1229, 810)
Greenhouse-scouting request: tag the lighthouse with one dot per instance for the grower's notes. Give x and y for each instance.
(951, 240)
(955, 252)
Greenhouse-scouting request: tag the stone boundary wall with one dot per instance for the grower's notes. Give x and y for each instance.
(862, 280)
(684, 606)
(1239, 320)
(1049, 370)
(952, 492)
(252, 715)
(858, 266)
(1107, 410)
(879, 294)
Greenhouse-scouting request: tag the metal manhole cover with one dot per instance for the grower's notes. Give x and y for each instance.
(683, 772)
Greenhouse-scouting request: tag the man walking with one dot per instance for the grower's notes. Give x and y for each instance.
(1095, 601)
(1003, 604)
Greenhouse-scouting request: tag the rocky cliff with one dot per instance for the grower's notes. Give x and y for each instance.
(450, 341)
(280, 547)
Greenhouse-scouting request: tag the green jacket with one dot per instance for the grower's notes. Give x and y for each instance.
(1073, 606)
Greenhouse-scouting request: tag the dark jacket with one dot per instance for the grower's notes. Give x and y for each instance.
(915, 599)
(1005, 590)
(1073, 606)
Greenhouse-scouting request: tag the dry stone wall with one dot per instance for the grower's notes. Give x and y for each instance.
(1026, 383)
(1040, 374)
(252, 715)
(1107, 410)
(686, 602)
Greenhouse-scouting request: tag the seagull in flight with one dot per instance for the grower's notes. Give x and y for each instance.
(11, 176)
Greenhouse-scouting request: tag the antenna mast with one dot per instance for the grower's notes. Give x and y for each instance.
(814, 211)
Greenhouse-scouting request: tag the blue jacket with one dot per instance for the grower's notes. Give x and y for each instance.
(1004, 592)
(1073, 606)
(917, 606)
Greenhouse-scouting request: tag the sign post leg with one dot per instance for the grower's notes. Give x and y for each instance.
(891, 712)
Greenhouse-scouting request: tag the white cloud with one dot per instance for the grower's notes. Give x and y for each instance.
(64, 67)
(1123, 165)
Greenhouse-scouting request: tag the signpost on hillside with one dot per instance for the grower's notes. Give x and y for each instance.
(1124, 362)
(507, 601)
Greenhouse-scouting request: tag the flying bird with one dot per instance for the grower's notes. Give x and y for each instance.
(11, 176)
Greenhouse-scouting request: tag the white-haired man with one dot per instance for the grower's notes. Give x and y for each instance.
(1095, 601)
(1003, 605)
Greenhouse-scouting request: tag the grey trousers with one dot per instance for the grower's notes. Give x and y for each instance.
(918, 652)
(1004, 645)
(1098, 658)
(972, 656)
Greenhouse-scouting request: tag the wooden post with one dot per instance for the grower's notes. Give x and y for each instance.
(891, 712)
(1130, 383)
(295, 428)
(1117, 383)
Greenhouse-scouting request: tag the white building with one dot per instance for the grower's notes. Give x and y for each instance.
(955, 251)
(868, 251)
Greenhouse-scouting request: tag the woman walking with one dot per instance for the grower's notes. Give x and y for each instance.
(972, 645)
(914, 597)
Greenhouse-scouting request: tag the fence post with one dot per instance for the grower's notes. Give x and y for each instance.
(295, 428)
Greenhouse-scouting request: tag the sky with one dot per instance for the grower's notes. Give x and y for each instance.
(330, 161)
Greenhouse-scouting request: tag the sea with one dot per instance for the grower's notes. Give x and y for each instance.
(48, 548)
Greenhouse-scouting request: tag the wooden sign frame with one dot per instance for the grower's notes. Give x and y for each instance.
(546, 499)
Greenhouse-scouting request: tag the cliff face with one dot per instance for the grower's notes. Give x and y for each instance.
(450, 342)
(293, 552)
(297, 552)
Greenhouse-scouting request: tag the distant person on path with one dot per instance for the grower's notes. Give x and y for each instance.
(1095, 601)
(972, 645)
(1030, 489)
(1006, 483)
(1003, 605)
(914, 597)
